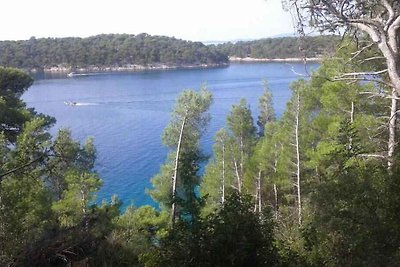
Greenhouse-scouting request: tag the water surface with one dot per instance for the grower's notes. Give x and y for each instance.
(127, 112)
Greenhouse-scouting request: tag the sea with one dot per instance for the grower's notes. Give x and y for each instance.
(126, 113)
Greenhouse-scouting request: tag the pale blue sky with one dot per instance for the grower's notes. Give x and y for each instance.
(197, 20)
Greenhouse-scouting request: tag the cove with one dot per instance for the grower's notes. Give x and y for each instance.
(126, 113)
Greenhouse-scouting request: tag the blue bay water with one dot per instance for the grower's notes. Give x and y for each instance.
(126, 113)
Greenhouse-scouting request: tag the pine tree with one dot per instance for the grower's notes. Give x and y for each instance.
(175, 185)
(219, 173)
(266, 109)
(24, 199)
(241, 127)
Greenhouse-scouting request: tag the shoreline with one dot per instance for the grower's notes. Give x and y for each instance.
(252, 59)
(64, 69)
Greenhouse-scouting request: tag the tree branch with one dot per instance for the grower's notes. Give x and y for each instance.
(370, 73)
(21, 167)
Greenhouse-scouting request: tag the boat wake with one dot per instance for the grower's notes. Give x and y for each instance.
(74, 103)
(85, 104)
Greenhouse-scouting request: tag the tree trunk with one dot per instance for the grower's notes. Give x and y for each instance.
(276, 202)
(83, 206)
(352, 112)
(259, 195)
(223, 175)
(175, 176)
(241, 155)
(351, 121)
(298, 160)
(392, 129)
(239, 179)
(388, 43)
(275, 189)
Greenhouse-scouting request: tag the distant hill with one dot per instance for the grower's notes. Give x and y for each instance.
(282, 47)
(106, 50)
(143, 51)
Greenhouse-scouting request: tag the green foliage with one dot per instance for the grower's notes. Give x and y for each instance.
(233, 236)
(353, 222)
(349, 199)
(67, 154)
(13, 111)
(73, 205)
(219, 173)
(243, 133)
(182, 135)
(46, 187)
(193, 106)
(240, 123)
(106, 50)
(283, 47)
(232, 149)
(240, 237)
(13, 114)
(266, 109)
(134, 237)
(24, 200)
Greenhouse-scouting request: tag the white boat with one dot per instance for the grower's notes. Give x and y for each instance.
(70, 103)
(74, 74)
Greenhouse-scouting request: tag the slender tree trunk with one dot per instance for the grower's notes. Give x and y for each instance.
(392, 129)
(223, 175)
(83, 206)
(1, 219)
(275, 189)
(276, 202)
(241, 155)
(351, 121)
(298, 160)
(352, 112)
(259, 195)
(257, 201)
(175, 176)
(256, 197)
(239, 179)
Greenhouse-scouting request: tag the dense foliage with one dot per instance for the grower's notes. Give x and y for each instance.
(311, 188)
(121, 50)
(106, 51)
(283, 47)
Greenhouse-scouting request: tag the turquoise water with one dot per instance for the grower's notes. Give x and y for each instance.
(127, 112)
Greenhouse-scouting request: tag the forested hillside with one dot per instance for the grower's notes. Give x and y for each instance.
(283, 47)
(122, 50)
(106, 50)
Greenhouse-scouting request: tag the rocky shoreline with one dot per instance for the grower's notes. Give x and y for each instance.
(126, 68)
(250, 59)
(65, 69)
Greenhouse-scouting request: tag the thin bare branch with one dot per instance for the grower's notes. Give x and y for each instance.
(369, 73)
(21, 167)
(378, 156)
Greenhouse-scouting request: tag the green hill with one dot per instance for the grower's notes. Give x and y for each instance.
(106, 50)
(283, 47)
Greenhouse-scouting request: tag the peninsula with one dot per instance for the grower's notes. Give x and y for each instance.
(127, 52)
(108, 52)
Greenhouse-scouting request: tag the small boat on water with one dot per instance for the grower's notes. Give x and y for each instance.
(74, 74)
(70, 103)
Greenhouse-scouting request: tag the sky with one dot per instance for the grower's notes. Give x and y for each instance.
(196, 20)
